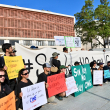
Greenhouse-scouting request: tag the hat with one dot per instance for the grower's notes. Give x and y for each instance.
(76, 63)
(62, 67)
(55, 54)
(101, 63)
(14, 51)
(65, 49)
(46, 65)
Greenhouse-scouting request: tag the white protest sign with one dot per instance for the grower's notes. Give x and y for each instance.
(34, 96)
(97, 77)
(71, 86)
(69, 41)
(59, 40)
(35, 58)
(77, 41)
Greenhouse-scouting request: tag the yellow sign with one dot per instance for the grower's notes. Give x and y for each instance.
(8, 102)
(14, 64)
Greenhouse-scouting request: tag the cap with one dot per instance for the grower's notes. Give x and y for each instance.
(46, 65)
(62, 67)
(76, 63)
(55, 54)
(65, 49)
(101, 63)
(14, 51)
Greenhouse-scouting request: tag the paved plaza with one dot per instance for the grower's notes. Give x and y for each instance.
(97, 98)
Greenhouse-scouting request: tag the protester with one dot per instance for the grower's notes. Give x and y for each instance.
(93, 65)
(22, 82)
(63, 94)
(4, 88)
(43, 77)
(7, 49)
(55, 62)
(65, 50)
(77, 63)
(100, 66)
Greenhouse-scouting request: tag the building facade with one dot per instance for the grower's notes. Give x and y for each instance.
(33, 27)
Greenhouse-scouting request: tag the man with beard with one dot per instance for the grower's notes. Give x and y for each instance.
(7, 49)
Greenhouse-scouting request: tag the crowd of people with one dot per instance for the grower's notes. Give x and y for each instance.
(7, 86)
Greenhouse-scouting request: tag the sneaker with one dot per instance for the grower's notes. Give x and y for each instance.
(106, 82)
(60, 98)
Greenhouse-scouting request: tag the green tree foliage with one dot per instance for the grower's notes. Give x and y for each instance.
(92, 23)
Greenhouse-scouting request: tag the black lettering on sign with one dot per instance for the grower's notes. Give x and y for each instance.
(37, 58)
(86, 59)
(77, 42)
(28, 64)
(106, 57)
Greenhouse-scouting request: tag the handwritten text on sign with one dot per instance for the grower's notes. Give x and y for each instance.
(56, 84)
(97, 77)
(14, 64)
(8, 102)
(34, 96)
(71, 86)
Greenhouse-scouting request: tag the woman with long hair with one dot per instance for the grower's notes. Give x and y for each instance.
(23, 81)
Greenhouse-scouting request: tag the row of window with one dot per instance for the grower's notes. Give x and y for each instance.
(29, 42)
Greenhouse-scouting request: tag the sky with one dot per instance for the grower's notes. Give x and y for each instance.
(68, 7)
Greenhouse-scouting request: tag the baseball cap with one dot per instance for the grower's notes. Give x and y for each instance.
(101, 63)
(55, 54)
(46, 65)
(62, 67)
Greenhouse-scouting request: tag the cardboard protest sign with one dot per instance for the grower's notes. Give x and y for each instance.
(8, 102)
(106, 74)
(97, 77)
(57, 84)
(14, 64)
(69, 41)
(77, 41)
(71, 86)
(82, 76)
(34, 96)
(59, 40)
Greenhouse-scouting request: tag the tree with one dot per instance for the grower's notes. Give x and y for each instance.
(92, 23)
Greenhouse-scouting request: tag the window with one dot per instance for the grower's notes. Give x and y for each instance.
(27, 42)
(51, 43)
(1, 42)
(12, 42)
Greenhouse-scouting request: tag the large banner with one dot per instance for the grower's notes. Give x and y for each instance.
(57, 84)
(82, 75)
(14, 64)
(34, 96)
(34, 59)
(8, 102)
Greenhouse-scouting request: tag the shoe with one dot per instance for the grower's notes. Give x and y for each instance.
(60, 98)
(106, 82)
(65, 96)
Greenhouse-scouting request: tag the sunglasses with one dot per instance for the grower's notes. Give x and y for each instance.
(26, 73)
(2, 76)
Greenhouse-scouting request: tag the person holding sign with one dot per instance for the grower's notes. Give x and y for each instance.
(43, 77)
(22, 82)
(62, 69)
